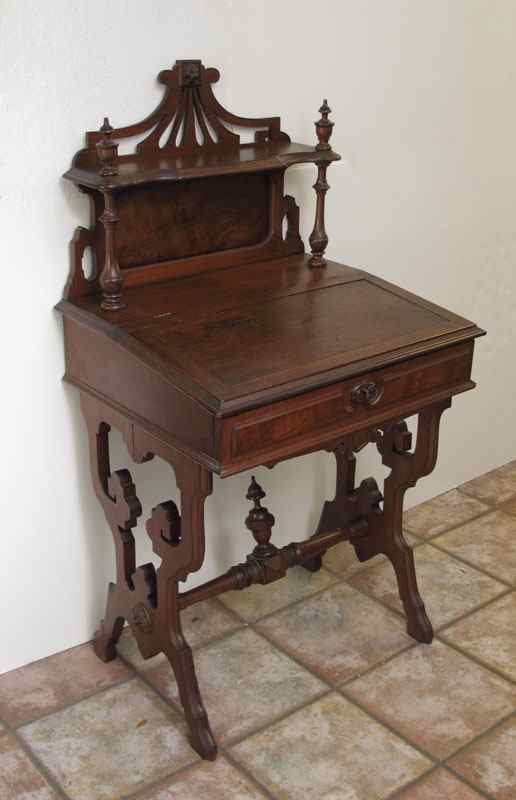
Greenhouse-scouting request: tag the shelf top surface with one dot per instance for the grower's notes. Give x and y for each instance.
(148, 167)
(238, 337)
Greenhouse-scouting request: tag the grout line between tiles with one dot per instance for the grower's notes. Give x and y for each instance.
(448, 528)
(411, 784)
(36, 763)
(421, 778)
(362, 566)
(493, 503)
(72, 703)
(476, 659)
(438, 762)
(176, 707)
(479, 736)
(153, 784)
(507, 590)
(297, 602)
(249, 775)
(233, 741)
(480, 607)
(313, 670)
(371, 714)
(467, 782)
(471, 564)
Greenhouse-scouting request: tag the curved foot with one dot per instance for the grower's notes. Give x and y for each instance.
(202, 739)
(402, 559)
(181, 660)
(420, 627)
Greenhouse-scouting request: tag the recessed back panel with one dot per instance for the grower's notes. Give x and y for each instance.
(177, 220)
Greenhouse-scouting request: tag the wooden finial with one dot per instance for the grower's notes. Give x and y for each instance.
(324, 127)
(107, 150)
(255, 492)
(260, 522)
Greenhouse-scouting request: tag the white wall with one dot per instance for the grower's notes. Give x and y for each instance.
(424, 102)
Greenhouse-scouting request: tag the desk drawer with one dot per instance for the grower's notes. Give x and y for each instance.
(280, 429)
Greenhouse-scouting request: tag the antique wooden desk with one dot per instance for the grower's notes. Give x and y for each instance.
(208, 337)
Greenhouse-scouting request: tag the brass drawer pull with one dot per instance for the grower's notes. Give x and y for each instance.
(366, 394)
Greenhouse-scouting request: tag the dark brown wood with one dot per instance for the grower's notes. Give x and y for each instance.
(146, 597)
(107, 151)
(319, 237)
(234, 215)
(111, 278)
(189, 158)
(324, 127)
(225, 351)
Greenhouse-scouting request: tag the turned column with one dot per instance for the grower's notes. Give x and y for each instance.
(319, 238)
(111, 280)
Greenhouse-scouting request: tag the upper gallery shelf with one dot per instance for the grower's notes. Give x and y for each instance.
(187, 136)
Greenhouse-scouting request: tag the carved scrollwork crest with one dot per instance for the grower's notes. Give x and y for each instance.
(188, 118)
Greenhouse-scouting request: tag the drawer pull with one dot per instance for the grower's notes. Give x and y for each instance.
(366, 394)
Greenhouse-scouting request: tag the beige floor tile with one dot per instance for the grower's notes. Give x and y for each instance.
(441, 513)
(258, 600)
(211, 781)
(510, 507)
(245, 683)
(435, 697)
(439, 785)
(44, 686)
(19, 778)
(330, 750)
(110, 744)
(490, 763)
(200, 622)
(493, 487)
(488, 543)
(339, 633)
(342, 560)
(448, 587)
(489, 634)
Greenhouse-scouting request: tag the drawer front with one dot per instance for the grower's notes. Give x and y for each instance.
(284, 428)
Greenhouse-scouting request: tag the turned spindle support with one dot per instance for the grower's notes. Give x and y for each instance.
(319, 238)
(111, 279)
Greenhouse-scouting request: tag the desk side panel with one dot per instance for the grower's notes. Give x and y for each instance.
(104, 368)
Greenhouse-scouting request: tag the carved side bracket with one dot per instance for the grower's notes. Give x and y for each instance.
(77, 283)
(291, 212)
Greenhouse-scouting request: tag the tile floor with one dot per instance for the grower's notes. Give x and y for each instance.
(313, 688)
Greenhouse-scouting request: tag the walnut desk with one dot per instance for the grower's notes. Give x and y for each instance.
(208, 337)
